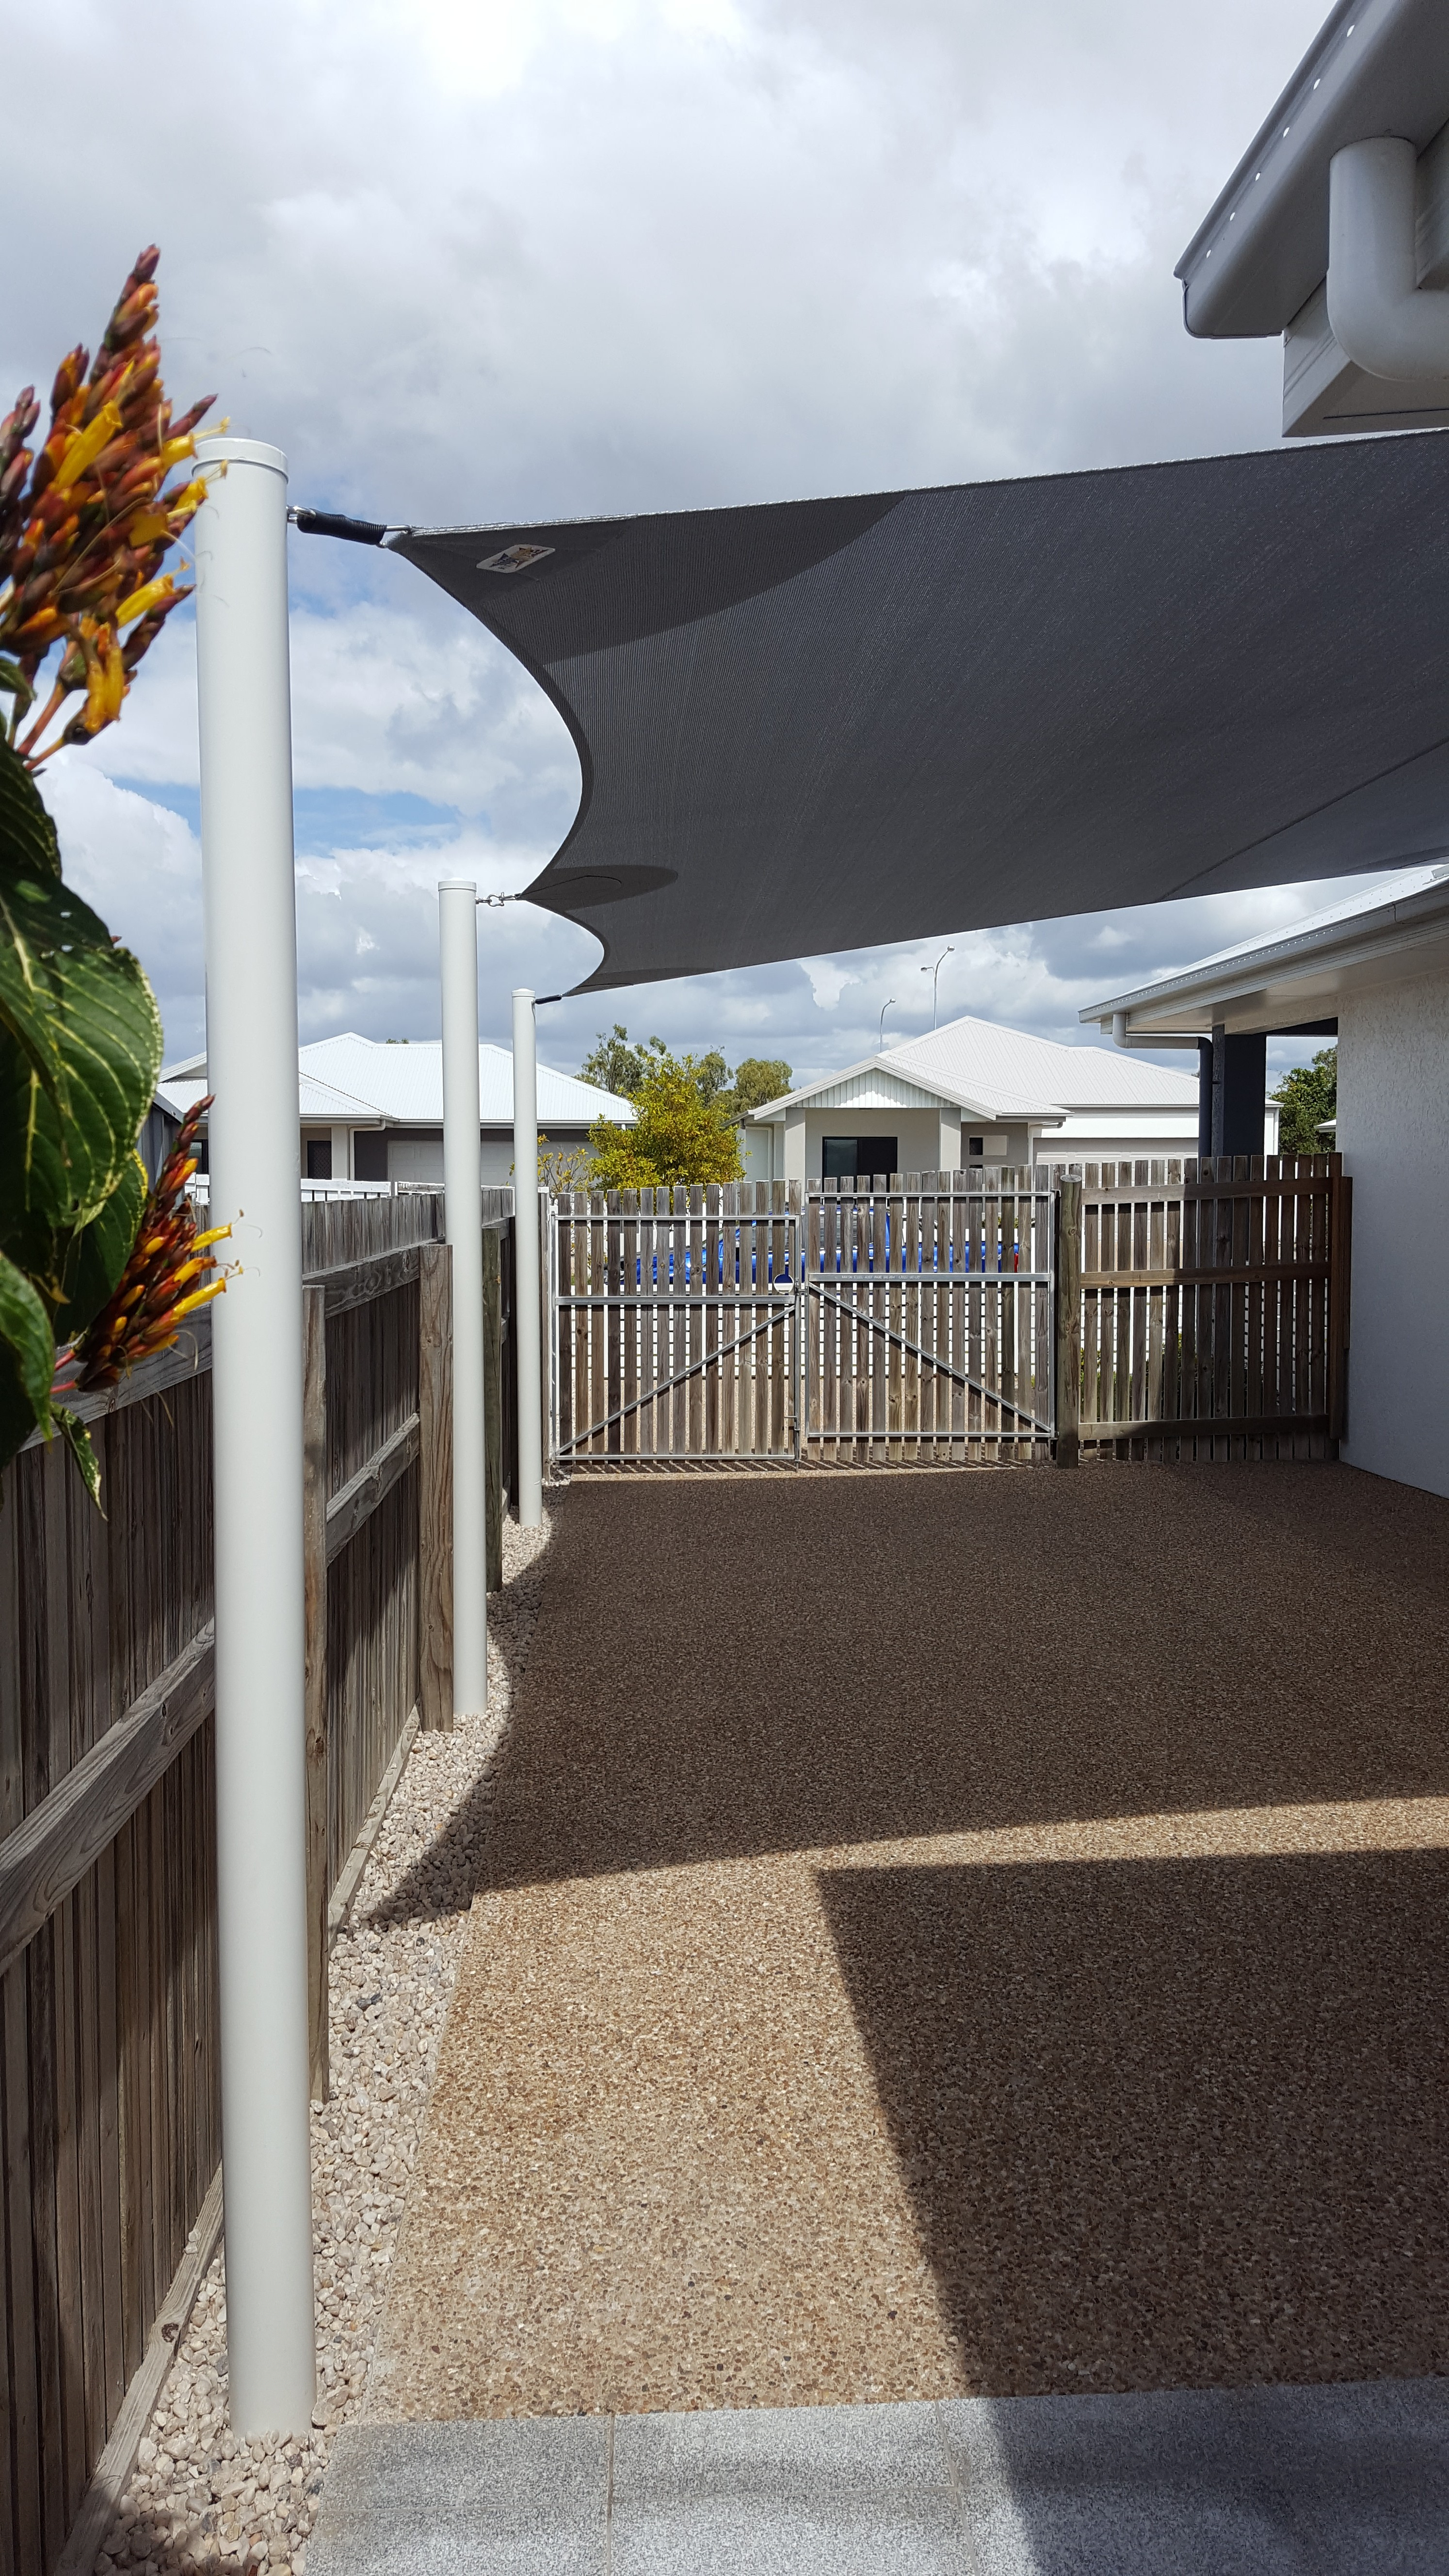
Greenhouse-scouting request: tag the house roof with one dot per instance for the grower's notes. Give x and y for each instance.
(1396, 929)
(997, 1073)
(354, 1081)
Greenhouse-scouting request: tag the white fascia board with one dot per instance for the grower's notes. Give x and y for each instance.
(1375, 67)
(931, 1094)
(1379, 945)
(1122, 1119)
(773, 1110)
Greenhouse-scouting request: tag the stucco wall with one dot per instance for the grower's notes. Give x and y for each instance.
(1393, 1130)
(917, 1133)
(416, 1153)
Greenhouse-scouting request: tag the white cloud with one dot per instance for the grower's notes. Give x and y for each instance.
(384, 701)
(533, 257)
(138, 865)
(827, 981)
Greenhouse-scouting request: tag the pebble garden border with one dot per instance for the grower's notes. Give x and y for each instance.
(198, 2499)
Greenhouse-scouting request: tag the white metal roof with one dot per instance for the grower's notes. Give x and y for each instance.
(997, 1073)
(1372, 936)
(353, 1081)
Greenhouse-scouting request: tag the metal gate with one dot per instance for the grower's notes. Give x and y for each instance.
(677, 1333)
(927, 1312)
(766, 1321)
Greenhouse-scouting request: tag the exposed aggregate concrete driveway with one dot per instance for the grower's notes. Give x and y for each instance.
(961, 1933)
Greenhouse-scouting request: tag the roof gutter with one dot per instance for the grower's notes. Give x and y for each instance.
(1378, 67)
(1401, 923)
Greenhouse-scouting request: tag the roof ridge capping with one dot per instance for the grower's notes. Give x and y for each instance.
(1033, 1090)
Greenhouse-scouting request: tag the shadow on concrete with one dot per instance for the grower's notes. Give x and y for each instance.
(1167, 2123)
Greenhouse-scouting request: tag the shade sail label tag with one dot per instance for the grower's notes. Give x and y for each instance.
(514, 558)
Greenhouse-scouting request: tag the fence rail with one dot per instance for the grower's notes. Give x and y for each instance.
(928, 1315)
(671, 1336)
(1214, 1318)
(1121, 1310)
(109, 2095)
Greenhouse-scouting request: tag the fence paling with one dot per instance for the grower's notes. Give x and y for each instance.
(1211, 1316)
(929, 1317)
(108, 2058)
(1214, 1307)
(670, 1339)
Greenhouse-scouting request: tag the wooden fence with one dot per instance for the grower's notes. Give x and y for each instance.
(1121, 1310)
(109, 2111)
(1214, 1301)
(762, 1321)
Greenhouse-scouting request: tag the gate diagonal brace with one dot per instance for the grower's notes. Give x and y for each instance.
(877, 1324)
(771, 1319)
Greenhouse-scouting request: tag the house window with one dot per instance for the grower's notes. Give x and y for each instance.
(850, 1158)
(319, 1158)
(369, 1154)
(975, 1147)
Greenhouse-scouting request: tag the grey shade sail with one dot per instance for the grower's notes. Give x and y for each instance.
(820, 725)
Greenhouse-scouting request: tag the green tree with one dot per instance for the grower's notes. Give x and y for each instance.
(1305, 1098)
(757, 1078)
(678, 1134)
(617, 1066)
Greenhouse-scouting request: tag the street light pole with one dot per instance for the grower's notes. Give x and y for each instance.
(934, 973)
(880, 1033)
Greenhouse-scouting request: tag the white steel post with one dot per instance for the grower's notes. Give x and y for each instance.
(255, 1134)
(462, 1182)
(527, 1334)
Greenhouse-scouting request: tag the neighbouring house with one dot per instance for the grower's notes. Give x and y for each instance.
(1373, 972)
(372, 1109)
(972, 1092)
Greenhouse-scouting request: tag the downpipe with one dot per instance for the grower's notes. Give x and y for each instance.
(1381, 317)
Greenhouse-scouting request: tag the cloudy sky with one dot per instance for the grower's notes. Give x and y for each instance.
(545, 258)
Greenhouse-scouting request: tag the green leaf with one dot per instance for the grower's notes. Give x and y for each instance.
(27, 1361)
(85, 1035)
(15, 684)
(25, 826)
(78, 1441)
(97, 1255)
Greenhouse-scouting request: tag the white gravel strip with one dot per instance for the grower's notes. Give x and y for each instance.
(198, 2498)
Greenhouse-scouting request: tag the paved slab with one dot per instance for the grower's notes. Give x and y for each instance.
(1346, 2480)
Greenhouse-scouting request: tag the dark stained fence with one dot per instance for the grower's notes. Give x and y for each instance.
(109, 2110)
(1214, 1313)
